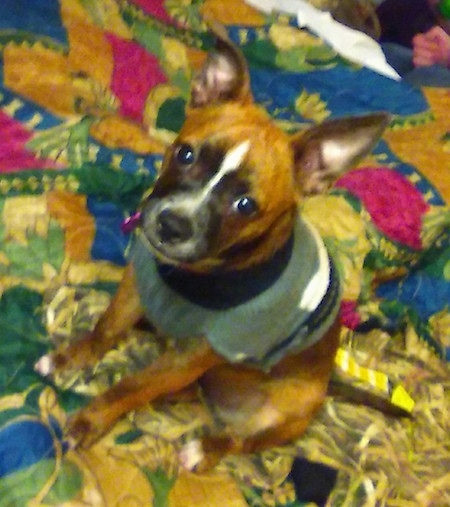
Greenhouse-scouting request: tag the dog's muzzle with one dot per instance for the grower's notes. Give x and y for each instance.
(176, 229)
(173, 227)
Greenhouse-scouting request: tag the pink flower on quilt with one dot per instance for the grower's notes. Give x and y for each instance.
(350, 318)
(396, 206)
(136, 72)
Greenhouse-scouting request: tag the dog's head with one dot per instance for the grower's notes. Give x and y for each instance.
(231, 182)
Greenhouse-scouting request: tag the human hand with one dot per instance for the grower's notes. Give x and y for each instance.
(432, 47)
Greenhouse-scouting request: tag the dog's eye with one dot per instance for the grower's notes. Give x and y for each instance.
(246, 206)
(185, 154)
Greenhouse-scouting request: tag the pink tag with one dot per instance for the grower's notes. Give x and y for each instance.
(130, 223)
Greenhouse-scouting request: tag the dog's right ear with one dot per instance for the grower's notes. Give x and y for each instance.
(224, 76)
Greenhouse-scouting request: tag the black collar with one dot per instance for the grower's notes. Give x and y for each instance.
(225, 290)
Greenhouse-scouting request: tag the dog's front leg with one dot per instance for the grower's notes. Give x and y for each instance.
(123, 312)
(170, 373)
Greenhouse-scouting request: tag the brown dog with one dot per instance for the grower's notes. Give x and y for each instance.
(223, 263)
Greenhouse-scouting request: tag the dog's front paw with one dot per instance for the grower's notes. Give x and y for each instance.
(68, 363)
(84, 429)
(51, 363)
(61, 368)
(45, 366)
(56, 366)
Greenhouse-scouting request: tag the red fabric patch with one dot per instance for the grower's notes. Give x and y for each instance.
(394, 203)
(350, 317)
(154, 8)
(13, 153)
(136, 72)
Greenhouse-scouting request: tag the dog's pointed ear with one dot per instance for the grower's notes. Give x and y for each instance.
(325, 152)
(224, 76)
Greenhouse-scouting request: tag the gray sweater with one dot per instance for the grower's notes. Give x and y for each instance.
(276, 319)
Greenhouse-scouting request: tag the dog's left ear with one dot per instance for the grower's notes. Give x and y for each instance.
(325, 152)
(224, 76)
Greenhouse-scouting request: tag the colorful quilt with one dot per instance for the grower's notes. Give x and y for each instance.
(91, 91)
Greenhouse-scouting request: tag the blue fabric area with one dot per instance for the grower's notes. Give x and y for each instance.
(130, 161)
(345, 90)
(109, 242)
(425, 294)
(38, 16)
(24, 443)
(28, 110)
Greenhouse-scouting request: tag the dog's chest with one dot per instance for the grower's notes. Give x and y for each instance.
(252, 317)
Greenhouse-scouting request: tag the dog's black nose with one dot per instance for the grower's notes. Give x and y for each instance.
(174, 228)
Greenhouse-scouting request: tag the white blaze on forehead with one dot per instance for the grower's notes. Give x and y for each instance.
(192, 201)
(233, 159)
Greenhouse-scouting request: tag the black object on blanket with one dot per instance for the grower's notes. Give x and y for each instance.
(313, 482)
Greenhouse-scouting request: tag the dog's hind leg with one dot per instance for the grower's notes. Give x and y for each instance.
(257, 410)
(251, 431)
